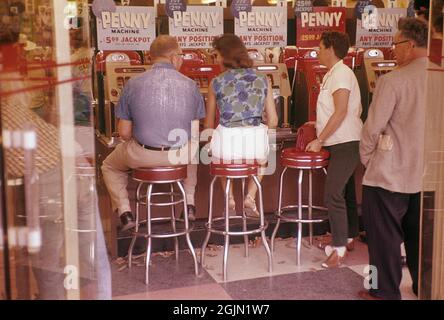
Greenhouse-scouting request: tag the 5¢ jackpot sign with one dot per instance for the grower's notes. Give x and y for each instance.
(126, 28)
(311, 25)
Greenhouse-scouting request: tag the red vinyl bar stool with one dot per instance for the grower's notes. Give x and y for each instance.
(151, 177)
(233, 171)
(293, 158)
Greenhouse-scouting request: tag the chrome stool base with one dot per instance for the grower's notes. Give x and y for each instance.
(226, 232)
(175, 233)
(283, 211)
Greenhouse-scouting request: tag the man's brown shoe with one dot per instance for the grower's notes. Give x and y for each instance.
(333, 260)
(366, 295)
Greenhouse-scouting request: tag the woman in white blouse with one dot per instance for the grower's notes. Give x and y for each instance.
(338, 127)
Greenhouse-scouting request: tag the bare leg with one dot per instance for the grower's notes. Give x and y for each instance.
(249, 201)
(231, 202)
(252, 188)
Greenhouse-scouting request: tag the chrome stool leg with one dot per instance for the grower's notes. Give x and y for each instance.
(276, 228)
(187, 227)
(134, 238)
(262, 221)
(227, 229)
(173, 221)
(310, 204)
(148, 223)
(244, 218)
(210, 217)
(301, 174)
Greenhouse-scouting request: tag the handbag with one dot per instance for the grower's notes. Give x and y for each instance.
(305, 134)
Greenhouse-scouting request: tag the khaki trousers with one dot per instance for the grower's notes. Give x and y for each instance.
(130, 155)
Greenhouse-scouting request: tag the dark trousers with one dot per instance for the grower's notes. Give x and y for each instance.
(340, 194)
(391, 218)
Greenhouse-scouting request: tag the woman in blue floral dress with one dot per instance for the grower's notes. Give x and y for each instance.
(242, 96)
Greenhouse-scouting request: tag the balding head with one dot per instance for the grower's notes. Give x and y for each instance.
(163, 47)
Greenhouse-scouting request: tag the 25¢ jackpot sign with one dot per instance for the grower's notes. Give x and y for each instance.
(311, 25)
(126, 28)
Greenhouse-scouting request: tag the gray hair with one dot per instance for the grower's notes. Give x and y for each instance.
(415, 30)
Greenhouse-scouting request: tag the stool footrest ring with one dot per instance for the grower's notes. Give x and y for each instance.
(165, 235)
(234, 233)
(284, 211)
(142, 199)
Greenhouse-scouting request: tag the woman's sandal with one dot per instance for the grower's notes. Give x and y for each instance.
(250, 207)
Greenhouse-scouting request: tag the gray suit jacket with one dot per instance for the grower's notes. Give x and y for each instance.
(392, 143)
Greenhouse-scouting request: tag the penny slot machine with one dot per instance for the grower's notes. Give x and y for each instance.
(256, 56)
(202, 74)
(308, 81)
(194, 57)
(118, 72)
(278, 76)
(109, 85)
(375, 66)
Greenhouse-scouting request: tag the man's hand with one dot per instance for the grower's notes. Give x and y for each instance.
(310, 123)
(314, 146)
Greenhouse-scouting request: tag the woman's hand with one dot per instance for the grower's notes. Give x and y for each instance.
(314, 146)
(310, 123)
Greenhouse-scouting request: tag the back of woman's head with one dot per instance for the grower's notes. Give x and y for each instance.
(233, 51)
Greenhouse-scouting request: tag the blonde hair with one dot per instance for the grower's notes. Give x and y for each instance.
(163, 46)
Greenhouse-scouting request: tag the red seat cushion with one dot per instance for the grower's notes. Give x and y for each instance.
(291, 157)
(219, 167)
(160, 174)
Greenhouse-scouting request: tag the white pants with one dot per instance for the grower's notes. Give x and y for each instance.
(240, 143)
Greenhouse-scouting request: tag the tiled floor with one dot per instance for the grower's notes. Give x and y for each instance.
(248, 277)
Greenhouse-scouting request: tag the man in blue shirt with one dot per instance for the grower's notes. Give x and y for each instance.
(155, 109)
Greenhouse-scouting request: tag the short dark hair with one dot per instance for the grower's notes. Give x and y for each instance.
(338, 40)
(233, 51)
(415, 30)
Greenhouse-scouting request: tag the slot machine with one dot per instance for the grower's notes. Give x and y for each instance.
(277, 74)
(189, 57)
(375, 66)
(357, 55)
(308, 79)
(202, 74)
(256, 56)
(117, 75)
(195, 57)
(112, 72)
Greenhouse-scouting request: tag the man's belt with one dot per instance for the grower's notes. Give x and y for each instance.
(163, 148)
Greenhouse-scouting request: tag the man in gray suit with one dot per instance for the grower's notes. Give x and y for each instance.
(391, 149)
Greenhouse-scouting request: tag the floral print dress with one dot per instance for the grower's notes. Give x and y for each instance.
(240, 97)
